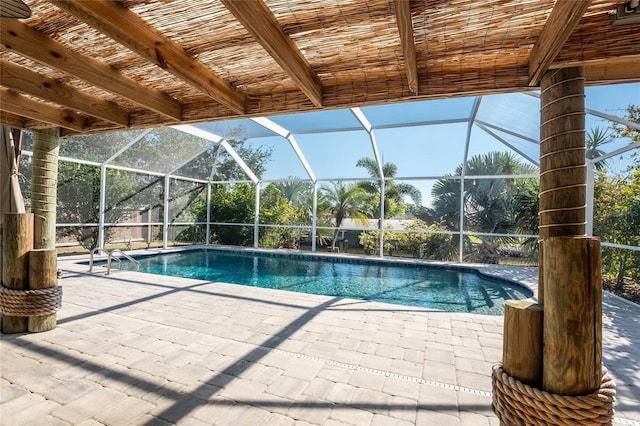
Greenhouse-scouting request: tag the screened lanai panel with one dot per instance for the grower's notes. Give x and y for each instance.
(607, 99)
(412, 113)
(490, 156)
(420, 151)
(321, 121)
(236, 129)
(163, 150)
(499, 140)
(444, 202)
(201, 165)
(335, 154)
(224, 167)
(129, 194)
(518, 113)
(425, 186)
(98, 147)
(78, 193)
(609, 140)
(618, 165)
(281, 162)
(187, 201)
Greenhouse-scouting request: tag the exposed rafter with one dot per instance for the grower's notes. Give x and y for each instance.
(405, 28)
(31, 83)
(562, 20)
(258, 19)
(33, 44)
(24, 106)
(128, 29)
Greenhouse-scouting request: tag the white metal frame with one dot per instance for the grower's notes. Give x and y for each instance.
(367, 127)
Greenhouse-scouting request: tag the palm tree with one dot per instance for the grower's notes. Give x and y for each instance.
(343, 201)
(394, 192)
(489, 204)
(595, 138)
(297, 191)
(527, 206)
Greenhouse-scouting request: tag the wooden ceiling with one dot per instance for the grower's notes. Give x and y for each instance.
(92, 66)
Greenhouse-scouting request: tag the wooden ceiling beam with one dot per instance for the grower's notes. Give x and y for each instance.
(405, 28)
(31, 43)
(262, 24)
(613, 71)
(24, 80)
(127, 28)
(562, 20)
(24, 106)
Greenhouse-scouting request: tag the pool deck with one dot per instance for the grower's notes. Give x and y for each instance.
(139, 349)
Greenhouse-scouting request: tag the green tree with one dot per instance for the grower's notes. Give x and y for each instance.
(277, 209)
(617, 208)
(527, 206)
(217, 164)
(233, 204)
(617, 220)
(343, 201)
(394, 204)
(299, 192)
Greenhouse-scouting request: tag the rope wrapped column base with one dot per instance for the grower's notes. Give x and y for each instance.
(26, 303)
(516, 403)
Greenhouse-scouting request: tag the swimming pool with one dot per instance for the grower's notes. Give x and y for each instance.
(406, 284)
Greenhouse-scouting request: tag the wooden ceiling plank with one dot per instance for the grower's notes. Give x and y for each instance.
(24, 106)
(12, 120)
(562, 20)
(258, 19)
(127, 28)
(24, 80)
(31, 43)
(405, 28)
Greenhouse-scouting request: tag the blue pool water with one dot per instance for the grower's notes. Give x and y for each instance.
(414, 285)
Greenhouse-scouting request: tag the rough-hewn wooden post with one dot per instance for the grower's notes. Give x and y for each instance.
(18, 241)
(43, 273)
(522, 346)
(570, 280)
(572, 356)
(46, 144)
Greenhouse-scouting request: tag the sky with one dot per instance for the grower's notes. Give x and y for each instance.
(428, 150)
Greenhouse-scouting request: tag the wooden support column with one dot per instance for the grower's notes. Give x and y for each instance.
(44, 182)
(572, 357)
(570, 280)
(18, 241)
(562, 159)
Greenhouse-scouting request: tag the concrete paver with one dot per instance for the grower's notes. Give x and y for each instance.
(132, 348)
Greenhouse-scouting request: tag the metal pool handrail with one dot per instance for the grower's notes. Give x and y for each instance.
(110, 256)
(126, 256)
(94, 251)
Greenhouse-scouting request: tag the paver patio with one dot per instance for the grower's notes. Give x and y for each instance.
(139, 349)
